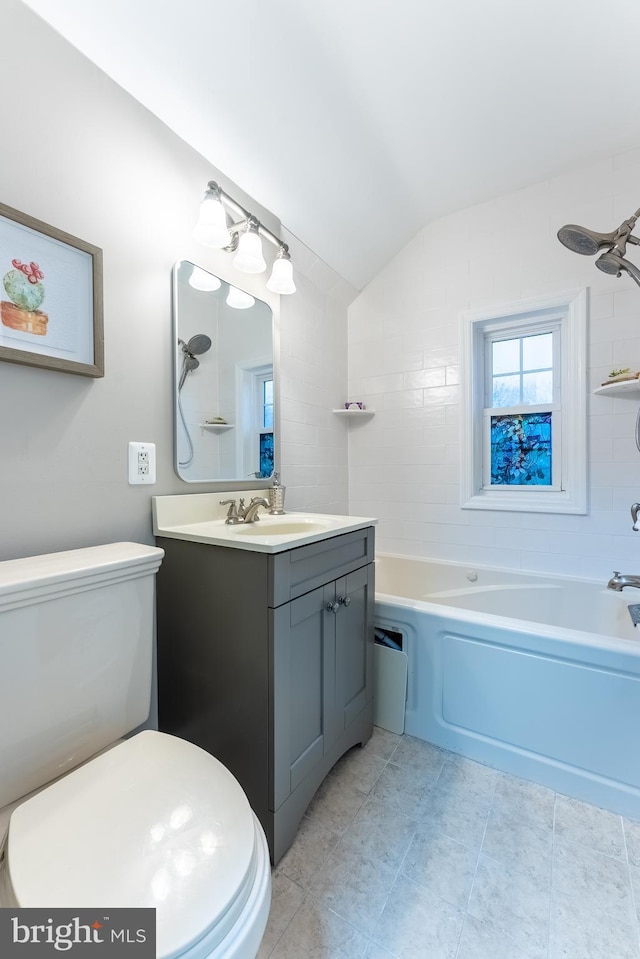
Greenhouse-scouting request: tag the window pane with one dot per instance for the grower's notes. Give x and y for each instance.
(506, 391)
(537, 387)
(521, 450)
(537, 352)
(505, 356)
(266, 455)
(267, 405)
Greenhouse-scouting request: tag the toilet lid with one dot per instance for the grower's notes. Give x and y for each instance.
(155, 821)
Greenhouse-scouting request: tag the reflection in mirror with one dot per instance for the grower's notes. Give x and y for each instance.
(223, 380)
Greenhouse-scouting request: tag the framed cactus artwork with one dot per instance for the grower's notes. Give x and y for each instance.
(50, 297)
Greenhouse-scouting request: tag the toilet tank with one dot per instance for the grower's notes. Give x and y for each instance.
(76, 642)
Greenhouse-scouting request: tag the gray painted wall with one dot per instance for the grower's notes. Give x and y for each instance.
(80, 154)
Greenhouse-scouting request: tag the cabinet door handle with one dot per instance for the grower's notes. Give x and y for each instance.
(333, 607)
(344, 600)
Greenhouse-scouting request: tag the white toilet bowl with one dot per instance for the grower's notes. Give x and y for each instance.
(155, 821)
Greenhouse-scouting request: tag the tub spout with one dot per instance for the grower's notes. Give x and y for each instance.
(635, 509)
(619, 580)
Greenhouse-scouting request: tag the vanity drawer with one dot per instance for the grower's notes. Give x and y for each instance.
(298, 571)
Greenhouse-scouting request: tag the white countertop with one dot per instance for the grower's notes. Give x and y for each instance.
(196, 517)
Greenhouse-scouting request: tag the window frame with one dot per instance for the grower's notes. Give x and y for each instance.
(568, 312)
(521, 330)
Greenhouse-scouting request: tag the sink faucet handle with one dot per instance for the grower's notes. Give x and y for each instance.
(635, 509)
(232, 513)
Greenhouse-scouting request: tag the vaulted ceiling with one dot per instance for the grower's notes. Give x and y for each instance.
(358, 121)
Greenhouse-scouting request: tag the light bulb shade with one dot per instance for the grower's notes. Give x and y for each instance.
(203, 281)
(238, 299)
(281, 279)
(249, 258)
(211, 228)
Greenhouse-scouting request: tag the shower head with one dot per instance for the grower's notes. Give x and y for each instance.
(580, 240)
(587, 242)
(613, 264)
(199, 343)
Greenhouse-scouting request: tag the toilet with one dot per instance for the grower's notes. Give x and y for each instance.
(87, 818)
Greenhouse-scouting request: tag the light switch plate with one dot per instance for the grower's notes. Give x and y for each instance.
(142, 463)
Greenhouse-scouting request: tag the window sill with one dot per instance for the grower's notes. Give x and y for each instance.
(526, 502)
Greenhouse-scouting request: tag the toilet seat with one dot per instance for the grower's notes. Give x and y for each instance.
(155, 821)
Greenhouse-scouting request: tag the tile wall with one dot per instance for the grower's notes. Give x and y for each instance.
(404, 352)
(313, 377)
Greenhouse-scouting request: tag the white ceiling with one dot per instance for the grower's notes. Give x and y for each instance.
(358, 121)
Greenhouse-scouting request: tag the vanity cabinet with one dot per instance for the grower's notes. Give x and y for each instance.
(265, 660)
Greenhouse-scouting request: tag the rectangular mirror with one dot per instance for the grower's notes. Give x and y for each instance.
(224, 388)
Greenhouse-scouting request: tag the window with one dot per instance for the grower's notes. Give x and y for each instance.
(264, 419)
(524, 407)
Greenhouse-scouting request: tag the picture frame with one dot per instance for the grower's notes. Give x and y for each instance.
(51, 312)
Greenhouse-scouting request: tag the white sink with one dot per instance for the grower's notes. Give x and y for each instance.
(281, 527)
(199, 518)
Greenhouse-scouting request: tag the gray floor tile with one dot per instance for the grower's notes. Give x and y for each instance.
(511, 902)
(524, 800)
(311, 848)
(522, 843)
(442, 866)
(318, 933)
(421, 757)
(578, 933)
(376, 951)
(335, 804)
(458, 813)
(590, 826)
(359, 768)
(634, 873)
(381, 832)
(401, 788)
(479, 941)
(631, 830)
(382, 743)
(411, 852)
(354, 886)
(461, 775)
(598, 882)
(416, 925)
(286, 899)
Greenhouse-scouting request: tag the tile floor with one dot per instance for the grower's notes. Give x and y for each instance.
(410, 852)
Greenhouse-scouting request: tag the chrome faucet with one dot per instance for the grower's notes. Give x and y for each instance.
(249, 514)
(635, 509)
(619, 580)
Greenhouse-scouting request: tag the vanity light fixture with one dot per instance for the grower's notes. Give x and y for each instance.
(211, 228)
(281, 279)
(238, 299)
(249, 258)
(225, 225)
(203, 281)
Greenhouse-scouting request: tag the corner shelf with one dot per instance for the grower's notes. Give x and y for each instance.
(216, 427)
(624, 387)
(354, 412)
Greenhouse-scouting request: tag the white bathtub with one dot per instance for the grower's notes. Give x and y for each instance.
(536, 675)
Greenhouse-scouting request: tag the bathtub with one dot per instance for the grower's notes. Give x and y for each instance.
(536, 675)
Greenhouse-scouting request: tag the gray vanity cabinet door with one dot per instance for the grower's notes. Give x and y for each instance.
(354, 644)
(303, 644)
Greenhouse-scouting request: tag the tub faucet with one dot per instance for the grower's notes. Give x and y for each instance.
(619, 580)
(635, 509)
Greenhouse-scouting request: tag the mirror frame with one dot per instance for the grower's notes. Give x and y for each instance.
(238, 483)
